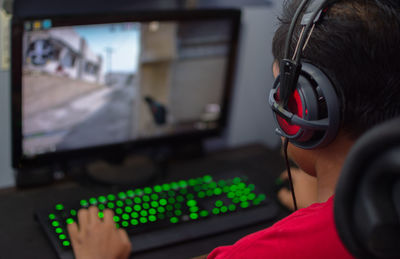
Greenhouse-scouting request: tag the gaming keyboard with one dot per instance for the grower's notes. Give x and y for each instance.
(168, 213)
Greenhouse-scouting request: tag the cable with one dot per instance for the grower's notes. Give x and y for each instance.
(285, 146)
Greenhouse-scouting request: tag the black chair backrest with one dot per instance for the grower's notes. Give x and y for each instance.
(367, 200)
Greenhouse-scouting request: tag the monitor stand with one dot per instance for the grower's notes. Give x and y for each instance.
(134, 170)
(139, 168)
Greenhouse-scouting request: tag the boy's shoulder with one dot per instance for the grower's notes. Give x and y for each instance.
(306, 233)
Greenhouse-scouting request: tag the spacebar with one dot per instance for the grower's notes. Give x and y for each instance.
(191, 230)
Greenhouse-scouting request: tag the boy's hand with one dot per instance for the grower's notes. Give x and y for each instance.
(97, 238)
(305, 188)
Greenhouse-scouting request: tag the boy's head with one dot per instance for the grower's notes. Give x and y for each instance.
(357, 45)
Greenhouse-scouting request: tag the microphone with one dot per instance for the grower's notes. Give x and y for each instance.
(289, 74)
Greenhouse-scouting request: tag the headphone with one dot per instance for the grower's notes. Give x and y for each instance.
(304, 101)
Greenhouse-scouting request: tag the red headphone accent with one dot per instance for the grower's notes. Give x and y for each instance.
(294, 106)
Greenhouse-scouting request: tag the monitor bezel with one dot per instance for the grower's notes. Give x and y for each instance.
(20, 161)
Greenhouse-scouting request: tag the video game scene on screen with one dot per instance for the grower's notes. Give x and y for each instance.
(94, 85)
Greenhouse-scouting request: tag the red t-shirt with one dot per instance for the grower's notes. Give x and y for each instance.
(306, 233)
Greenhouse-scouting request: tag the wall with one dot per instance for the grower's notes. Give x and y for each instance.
(251, 117)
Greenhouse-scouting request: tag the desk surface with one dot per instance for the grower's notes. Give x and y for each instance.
(21, 236)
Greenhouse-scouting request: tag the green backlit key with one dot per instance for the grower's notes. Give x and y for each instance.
(162, 205)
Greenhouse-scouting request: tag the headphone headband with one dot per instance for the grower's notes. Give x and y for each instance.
(290, 68)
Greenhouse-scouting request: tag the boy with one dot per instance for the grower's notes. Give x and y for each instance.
(357, 45)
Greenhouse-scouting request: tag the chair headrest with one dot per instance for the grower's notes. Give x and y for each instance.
(367, 199)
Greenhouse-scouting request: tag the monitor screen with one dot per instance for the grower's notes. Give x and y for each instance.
(98, 84)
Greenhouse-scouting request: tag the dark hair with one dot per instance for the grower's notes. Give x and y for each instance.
(358, 45)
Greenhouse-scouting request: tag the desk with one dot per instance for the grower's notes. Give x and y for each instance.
(21, 236)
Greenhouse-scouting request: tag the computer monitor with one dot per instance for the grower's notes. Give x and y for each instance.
(92, 85)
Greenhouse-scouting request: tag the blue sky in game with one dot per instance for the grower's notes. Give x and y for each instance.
(123, 39)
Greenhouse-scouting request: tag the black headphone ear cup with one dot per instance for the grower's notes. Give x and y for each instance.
(314, 99)
(326, 104)
(303, 103)
(311, 111)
